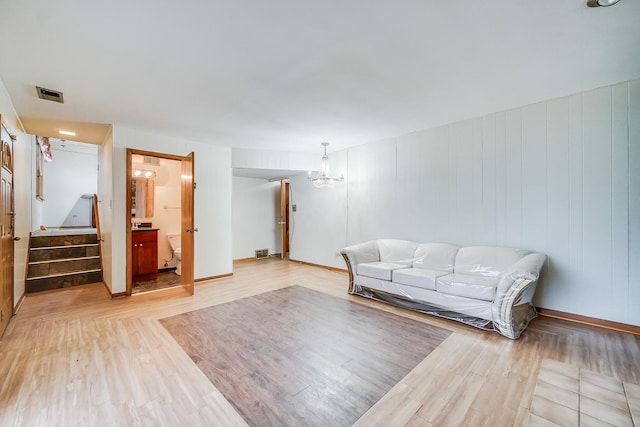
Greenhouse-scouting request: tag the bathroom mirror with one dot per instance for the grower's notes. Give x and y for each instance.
(142, 197)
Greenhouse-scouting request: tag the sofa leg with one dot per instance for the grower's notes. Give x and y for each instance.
(351, 278)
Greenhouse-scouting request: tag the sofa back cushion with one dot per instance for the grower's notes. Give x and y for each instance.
(435, 256)
(397, 251)
(490, 261)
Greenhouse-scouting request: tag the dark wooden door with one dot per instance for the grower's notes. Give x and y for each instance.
(284, 218)
(7, 220)
(188, 228)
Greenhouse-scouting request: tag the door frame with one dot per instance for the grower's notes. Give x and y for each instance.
(284, 218)
(129, 266)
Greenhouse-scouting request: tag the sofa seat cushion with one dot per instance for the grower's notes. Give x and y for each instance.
(378, 270)
(417, 277)
(468, 285)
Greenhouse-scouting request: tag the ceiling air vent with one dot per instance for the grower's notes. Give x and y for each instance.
(150, 160)
(50, 94)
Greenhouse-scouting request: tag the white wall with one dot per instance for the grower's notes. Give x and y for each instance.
(633, 192)
(105, 206)
(561, 177)
(22, 185)
(66, 179)
(256, 211)
(331, 203)
(318, 228)
(213, 254)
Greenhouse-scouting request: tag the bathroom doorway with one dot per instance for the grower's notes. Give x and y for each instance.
(160, 213)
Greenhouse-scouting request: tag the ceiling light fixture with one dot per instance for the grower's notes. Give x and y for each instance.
(603, 3)
(66, 132)
(141, 173)
(324, 178)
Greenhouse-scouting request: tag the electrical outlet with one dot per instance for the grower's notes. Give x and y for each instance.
(294, 208)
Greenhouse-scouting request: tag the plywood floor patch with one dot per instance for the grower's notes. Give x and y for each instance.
(298, 357)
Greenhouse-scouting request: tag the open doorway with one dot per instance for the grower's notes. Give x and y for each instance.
(160, 211)
(70, 181)
(64, 247)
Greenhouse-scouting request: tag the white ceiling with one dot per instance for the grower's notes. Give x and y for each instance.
(268, 174)
(73, 147)
(287, 74)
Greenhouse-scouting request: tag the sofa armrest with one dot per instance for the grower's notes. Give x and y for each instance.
(360, 253)
(527, 268)
(513, 308)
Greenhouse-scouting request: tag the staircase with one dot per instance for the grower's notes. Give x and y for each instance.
(59, 260)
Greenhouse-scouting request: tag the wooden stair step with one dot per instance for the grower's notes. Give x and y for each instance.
(65, 280)
(68, 273)
(65, 240)
(62, 266)
(63, 252)
(60, 261)
(64, 259)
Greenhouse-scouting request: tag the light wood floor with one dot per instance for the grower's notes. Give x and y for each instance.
(74, 357)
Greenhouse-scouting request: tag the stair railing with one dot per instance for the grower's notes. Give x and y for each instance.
(96, 225)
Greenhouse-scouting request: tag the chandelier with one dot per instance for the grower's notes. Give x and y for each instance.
(324, 178)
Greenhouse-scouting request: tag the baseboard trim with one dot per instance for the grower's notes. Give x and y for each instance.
(111, 295)
(19, 304)
(591, 321)
(118, 295)
(250, 259)
(339, 270)
(205, 279)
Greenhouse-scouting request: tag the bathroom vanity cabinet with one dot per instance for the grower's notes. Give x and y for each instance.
(144, 253)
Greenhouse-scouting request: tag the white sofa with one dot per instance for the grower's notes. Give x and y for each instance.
(488, 287)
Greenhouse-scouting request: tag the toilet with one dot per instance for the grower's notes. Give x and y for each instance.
(175, 243)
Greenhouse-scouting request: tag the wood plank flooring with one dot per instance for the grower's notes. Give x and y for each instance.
(566, 395)
(299, 357)
(76, 358)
